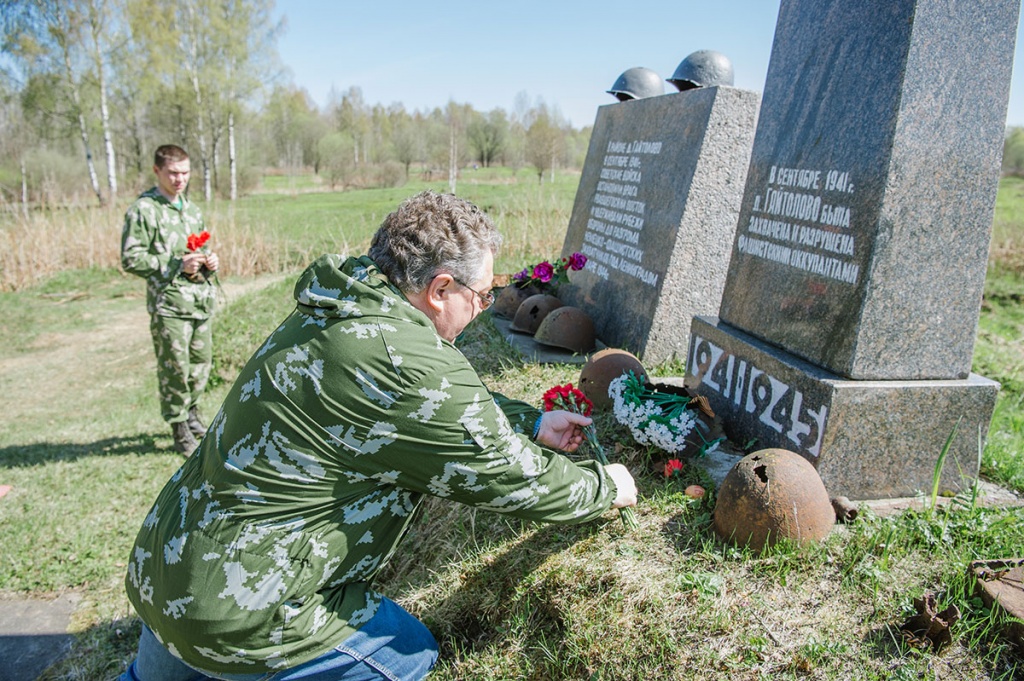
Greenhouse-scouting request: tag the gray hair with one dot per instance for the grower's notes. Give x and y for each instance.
(431, 233)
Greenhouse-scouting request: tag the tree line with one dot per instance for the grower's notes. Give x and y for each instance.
(88, 88)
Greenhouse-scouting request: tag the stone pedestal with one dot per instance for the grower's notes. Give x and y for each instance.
(655, 215)
(868, 439)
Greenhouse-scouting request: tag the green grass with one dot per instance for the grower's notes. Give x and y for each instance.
(63, 303)
(531, 215)
(999, 354)
(84, 448)
(1008, 226)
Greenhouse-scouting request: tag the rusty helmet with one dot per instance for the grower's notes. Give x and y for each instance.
(603, 367)
(773, 494)
(533, 311)
(567, 327)
(511, 297)
(703, 68)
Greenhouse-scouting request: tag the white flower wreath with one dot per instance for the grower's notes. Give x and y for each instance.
(658, 418)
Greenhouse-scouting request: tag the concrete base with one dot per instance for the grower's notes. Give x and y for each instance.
(867, 439)
(33, 635)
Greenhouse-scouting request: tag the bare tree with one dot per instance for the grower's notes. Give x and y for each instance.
(194, 23)
(100, 32)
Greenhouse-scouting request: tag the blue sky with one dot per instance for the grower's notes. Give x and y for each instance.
(485, 53)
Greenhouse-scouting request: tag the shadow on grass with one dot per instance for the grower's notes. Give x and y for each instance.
(492, 602)
(500, 597)
(24, 456)
(691, 531)
(102, 652)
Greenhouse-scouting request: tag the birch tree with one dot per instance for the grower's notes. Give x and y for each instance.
(193, 21)
(71, 38)
(245, 46)
(102, 40)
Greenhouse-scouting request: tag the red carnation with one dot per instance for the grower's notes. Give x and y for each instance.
(568, 398)
(672, 467)
(572, 399)
(196, 241)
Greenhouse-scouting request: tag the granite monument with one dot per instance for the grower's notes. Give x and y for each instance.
(847, 322)
(655, 214)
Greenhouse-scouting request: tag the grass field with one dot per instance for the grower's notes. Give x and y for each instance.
(84, 449)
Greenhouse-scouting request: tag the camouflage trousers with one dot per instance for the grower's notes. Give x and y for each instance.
(184, 356)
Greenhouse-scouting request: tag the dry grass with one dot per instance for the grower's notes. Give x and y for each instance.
(35, 247)
(45, 243)
(269, 234)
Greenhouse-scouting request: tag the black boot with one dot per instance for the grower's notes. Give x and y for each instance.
(195, 424)
(184, 441)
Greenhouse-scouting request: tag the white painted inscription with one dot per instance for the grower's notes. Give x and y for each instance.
(611, 240)
(774, 403)
(801, 219)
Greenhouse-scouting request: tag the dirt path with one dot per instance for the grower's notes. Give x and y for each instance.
(67, 374)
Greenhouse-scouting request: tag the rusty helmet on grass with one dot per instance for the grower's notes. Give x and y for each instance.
(533, 311)
(603, 367)
(773, 494)
(567, 327)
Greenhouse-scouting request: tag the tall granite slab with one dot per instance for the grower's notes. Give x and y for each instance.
(655, 214)
(851, 303)
(865, 225)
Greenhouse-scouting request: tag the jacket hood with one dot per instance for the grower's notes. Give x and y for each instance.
(336, 286)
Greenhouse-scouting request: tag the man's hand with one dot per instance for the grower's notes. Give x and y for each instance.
(562, 430)
(624, 483)
(212, 262)
(191, 262)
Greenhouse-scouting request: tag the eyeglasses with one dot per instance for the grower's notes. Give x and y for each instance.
(486, 299)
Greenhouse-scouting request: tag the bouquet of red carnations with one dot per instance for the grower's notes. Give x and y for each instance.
(572, 399)
(195, 243)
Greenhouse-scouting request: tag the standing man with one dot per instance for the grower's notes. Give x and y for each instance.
(180, 297)
(258, 558)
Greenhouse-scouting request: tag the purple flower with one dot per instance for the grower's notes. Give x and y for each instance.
(577, 261)
(543, 271)
(521, 276)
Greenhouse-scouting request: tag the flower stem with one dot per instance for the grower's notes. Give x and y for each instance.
(627, 515)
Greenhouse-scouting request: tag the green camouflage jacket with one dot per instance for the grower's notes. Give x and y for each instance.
(154, 238)
(261, 551)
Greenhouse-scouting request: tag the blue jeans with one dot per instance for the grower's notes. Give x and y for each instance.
(393, 645)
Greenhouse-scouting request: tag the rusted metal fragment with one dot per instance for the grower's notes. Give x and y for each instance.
(928, 628)
(1000, 584)
(846, 510)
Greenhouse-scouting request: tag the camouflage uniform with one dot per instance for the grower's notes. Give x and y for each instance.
(154, 239)
(261, 551)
